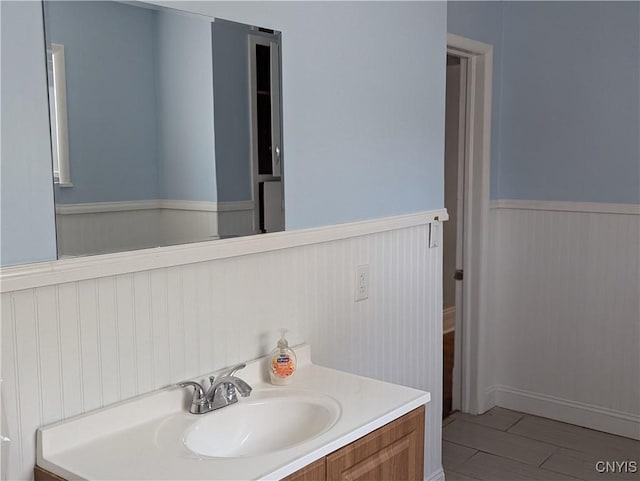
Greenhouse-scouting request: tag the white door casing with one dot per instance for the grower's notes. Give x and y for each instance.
(470, 366)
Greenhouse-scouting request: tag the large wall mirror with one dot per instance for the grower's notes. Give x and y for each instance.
(165, 125)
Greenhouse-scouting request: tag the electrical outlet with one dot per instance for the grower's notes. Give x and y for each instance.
(362, 283)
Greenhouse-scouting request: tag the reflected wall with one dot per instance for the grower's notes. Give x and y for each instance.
(154, 159)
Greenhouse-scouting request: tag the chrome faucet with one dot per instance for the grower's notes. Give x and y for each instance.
(221, 392)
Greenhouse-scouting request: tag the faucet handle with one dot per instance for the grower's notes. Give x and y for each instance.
(198, 391)
(235, 369)
(199, 403)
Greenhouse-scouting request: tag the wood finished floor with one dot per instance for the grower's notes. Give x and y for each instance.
(504, 445)
(448, 342)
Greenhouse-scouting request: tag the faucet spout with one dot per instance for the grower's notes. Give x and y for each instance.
(241, 386)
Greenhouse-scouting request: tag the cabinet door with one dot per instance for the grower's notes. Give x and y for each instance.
(394, 452)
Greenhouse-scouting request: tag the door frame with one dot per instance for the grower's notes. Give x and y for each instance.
(272, 40)
(470, 356)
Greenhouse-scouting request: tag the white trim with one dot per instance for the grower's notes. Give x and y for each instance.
(437, 476)
(276, 136)
(71, 270)
(472, 370)
(573, 412)
(63, 178)
(562, 206)
(206, 206)
(236, 205)
(96, 207)
(466, 47)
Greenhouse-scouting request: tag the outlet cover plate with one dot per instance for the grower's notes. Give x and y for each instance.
(362, 282)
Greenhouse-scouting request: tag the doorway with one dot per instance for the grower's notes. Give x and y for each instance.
(453, 230)
(469, 78)
(266, 130)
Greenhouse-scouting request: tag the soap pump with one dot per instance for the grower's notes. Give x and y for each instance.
(283, 362)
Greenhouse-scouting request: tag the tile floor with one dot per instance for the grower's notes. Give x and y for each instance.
(504, 445)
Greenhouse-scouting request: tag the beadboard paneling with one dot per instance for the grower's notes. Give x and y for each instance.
(73, 347)
(566, 318)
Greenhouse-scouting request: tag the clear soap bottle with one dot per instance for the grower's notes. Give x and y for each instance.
(283, 362)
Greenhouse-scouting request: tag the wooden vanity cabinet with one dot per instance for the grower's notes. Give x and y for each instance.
(394, 452)
(316, 471)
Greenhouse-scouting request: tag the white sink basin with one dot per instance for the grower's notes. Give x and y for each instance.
(266, 422)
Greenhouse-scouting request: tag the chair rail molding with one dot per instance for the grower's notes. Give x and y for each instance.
(565, 206)
(70, 270)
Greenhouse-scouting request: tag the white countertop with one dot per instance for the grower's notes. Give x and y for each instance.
(140, 438)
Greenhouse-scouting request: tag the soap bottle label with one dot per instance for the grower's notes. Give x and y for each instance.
(282, 365)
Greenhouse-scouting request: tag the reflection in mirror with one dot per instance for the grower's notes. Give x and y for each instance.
(165, 125)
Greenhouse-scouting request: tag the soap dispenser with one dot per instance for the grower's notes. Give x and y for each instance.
(283, 362)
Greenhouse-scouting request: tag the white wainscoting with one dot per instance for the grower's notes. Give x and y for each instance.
(234, 223)
(104, 232)
(71, 347)
(179, 226)
(565, 319)
(105, 227)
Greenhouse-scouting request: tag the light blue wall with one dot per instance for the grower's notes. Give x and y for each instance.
(363, 101)
(482, 21)
(360, 139)
(568, 97)
(363, 98)
(363, 104)
(27, 228)
(231, 107)
(111, 100)
(571, 102)
(185, 108)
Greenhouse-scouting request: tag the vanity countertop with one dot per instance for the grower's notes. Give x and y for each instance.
(129, 440)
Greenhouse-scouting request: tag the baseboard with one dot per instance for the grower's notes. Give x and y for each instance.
(486, 401)
(572, 412)
(205, 206)
(437, 476)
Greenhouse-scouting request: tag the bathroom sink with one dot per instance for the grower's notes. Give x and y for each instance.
(267, 421)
